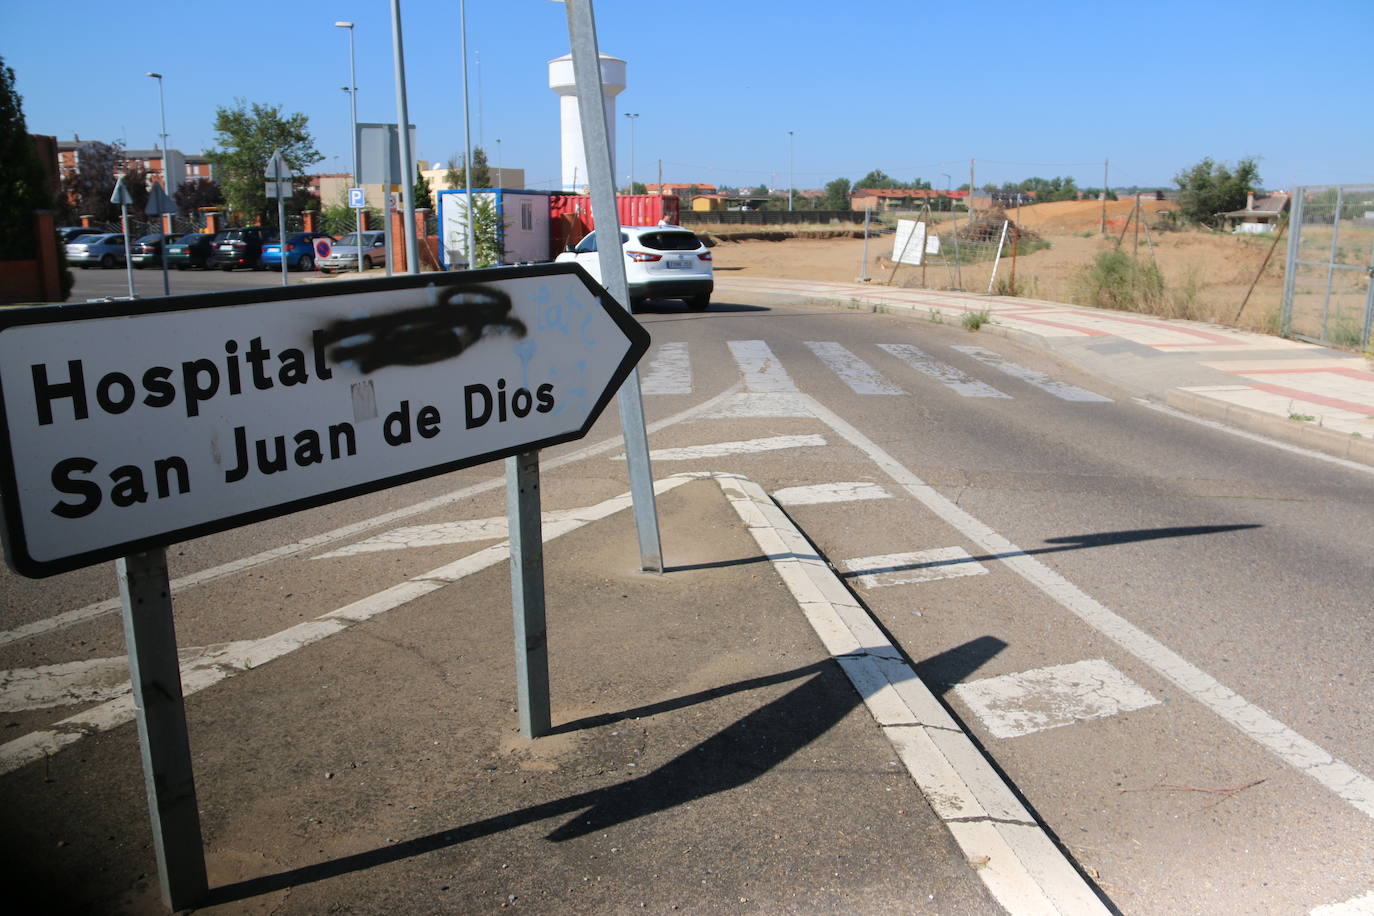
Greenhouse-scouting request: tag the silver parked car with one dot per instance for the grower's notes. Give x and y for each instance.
(345, 253)
(97, 251)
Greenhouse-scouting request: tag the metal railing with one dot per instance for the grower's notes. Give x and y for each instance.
(1328, 296)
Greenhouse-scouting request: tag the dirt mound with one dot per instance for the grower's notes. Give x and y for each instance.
(1075, 216)
(986, 226)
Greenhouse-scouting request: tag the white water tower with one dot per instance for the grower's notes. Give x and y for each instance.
(562, 81)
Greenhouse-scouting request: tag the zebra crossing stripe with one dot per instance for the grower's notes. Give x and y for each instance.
(1040, 380)
(854, 372)
(761, 369)
(670, 371)
(943, 373)
(921, 566)
(721, 449)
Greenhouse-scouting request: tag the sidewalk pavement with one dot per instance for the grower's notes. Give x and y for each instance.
(1296, 392)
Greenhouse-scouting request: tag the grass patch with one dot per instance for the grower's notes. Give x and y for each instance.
(972, 321)
(1115, 280)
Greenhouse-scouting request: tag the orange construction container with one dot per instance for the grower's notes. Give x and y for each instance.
(571, 214)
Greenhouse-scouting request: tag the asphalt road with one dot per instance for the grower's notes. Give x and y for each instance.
(1160, 633)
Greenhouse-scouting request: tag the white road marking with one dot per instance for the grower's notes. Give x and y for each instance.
(1358, 906)
(670, 371)
(830, 493)
(921, 566)
(438, 535)
(761, 369)
(1022, 868)
(1289, 746)
(94, 680)
(854, 372)
(720, 449)
(180, 583)
(1018, 704)
(943, 373)
(212, 665)
(759, 404)
(1062, 390)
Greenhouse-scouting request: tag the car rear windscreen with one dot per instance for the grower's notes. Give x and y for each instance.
(670, 241)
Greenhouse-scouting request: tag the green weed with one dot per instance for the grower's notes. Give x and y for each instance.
(972, 321)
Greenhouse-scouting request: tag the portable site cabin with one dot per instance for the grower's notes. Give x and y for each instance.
(522, 225)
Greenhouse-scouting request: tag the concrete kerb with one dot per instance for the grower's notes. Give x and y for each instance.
(1283, 429)
(1015, 858)
(1296, 432)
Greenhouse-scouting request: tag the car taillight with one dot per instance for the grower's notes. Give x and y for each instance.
(290, 247)
(704, 256)
(239, 245)
(643, 256)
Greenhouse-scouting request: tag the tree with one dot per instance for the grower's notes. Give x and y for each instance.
(1210, 188)
(837, 194)
(86, 191)
(193, 194)
(456, 176)
(247, 138)
(424, 197)
(877, 179)
(638, 187)
(23, 183)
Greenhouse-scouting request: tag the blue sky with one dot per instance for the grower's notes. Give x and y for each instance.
(1047, 88)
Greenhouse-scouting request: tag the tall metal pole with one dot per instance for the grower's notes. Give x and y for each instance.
(789, 171)
(166, 184)
(407, 157)
(470, 229)
(1103, 228)
(591, 104)
(498, 162)
(633, 118)
(353, 125)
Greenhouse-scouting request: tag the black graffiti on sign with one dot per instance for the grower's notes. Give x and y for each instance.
(455, 319)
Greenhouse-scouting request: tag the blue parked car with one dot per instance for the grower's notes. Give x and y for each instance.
(300, 252)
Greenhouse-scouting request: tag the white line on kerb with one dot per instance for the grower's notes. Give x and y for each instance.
(1295, 750)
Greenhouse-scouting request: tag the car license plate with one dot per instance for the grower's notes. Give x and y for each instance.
(677, 265)
(226, 248)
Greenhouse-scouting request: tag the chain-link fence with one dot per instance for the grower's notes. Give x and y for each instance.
(959, 254)
(1327, 296)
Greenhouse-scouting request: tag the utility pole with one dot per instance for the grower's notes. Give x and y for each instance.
(1102, 229)
(970, 192)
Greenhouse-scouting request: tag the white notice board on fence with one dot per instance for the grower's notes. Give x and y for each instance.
(909, 244)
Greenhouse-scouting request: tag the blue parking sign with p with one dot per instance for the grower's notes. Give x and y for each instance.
(356, 198)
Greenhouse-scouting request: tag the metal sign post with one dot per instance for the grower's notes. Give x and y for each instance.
(121, 196)
(527, 594)
(160, 710)
(592, 111)
(357, 199)
(279, 186)
(159, 205)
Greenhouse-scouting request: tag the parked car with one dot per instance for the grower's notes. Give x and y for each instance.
(192, 250)
(242, 247)
(300, 252)
(345, 253)
(105, 250)
(148, 250)
(67, 234)
(661, 262)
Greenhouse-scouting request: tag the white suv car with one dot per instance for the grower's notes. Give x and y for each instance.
(661, 262)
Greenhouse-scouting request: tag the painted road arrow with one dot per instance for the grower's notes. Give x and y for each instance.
(138, 425)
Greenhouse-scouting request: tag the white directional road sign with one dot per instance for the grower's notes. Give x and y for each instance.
(134, 426)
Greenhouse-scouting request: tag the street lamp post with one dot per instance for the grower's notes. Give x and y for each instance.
(166, 183)
(498, 162)
(789, 170)
(352, 89)
(633, 118)
(949, 202)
